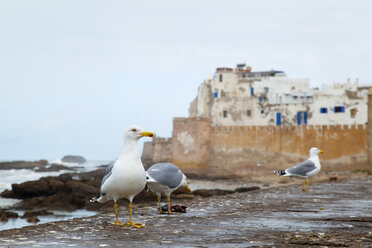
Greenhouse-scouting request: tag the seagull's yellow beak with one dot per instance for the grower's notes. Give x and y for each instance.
(148, 134)
(188, 188)
(320, 151)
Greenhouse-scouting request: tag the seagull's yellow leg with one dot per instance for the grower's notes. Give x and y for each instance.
(303, 187)
(311, 180)
(160, 210)
(169, 211)
(117, 222)
(130, 223)
(308, 189)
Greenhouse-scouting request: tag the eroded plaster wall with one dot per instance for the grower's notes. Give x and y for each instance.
(191, 142)
(219, 151)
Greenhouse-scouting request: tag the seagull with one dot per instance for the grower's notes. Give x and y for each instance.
(125, 177)
(164, 178)
(305, 169)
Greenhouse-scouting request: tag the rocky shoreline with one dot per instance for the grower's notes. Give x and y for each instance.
(72, 191)
(38, 166)
(334, 214)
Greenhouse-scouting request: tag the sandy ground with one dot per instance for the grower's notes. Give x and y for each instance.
(334, 214)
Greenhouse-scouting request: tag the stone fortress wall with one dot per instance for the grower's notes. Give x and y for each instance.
(199, 148)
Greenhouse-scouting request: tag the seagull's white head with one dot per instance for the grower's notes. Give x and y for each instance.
(135, 132)
(184, 183)
(315, 151)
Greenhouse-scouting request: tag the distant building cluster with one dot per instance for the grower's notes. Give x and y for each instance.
(240, 97)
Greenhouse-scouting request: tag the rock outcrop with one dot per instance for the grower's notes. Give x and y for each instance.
(38, 166)
(73, 159)
(23, 164)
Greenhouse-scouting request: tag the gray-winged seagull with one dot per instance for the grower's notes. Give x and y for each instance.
(164, 178)
(125, 177)
(305, 169)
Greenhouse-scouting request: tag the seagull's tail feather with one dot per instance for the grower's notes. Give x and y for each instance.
(280, 172)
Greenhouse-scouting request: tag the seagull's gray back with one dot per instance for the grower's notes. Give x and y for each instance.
(166, 173)
(302, 168)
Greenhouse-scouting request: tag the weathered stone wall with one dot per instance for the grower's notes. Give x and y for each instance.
(336, 141)
(162, 150)
(191, 142)
(221, 151)
(198, 148)
(249, 150)
(159, 150)
(369, 137)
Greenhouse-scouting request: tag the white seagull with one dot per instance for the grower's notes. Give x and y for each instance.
(125, 177)
(164, 178)
(305, 169)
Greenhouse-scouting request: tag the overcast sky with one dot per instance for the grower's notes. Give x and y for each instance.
(74, 74)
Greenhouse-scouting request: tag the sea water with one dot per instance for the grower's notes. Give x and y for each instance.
(9, 177)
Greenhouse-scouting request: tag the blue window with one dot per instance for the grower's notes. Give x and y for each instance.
(215, 94)
(301, 118)
(339, 109)
(323, 110)
(278, 118)
(252, 91)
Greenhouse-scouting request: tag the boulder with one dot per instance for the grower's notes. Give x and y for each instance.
(43, 187)
(29, 214)
(73, 159)
(5, 215)
(68, 191)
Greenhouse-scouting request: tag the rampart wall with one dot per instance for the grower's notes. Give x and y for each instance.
(201, 149)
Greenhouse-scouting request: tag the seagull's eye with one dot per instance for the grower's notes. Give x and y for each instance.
(134, 130)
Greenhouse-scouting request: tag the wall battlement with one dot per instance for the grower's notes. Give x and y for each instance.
(200, 148)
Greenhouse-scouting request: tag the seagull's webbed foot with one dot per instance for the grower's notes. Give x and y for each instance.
(117, 223)
(307, 184)
(132, 224)
(307, 190)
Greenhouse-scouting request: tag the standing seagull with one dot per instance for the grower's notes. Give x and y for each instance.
(305, 169)
(164, 178)
(125, 177)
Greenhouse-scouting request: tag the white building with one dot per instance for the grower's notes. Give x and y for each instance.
(240, 97)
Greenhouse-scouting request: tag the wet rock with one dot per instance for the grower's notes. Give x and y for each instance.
(246, 189)
(53, 167)
(33, 219)
(23, 164)
(42, 187)
(73, 159)
(213, 192)
(68, 191)
(31, 214)
(5, 215)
